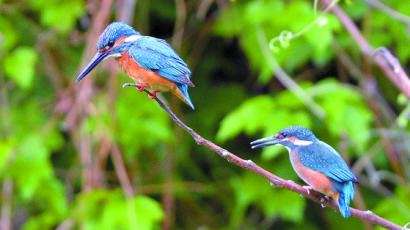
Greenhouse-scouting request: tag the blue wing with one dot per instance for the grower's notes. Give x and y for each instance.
(156, 55)
(322, 157)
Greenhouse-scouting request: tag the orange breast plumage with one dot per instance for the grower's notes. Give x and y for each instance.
(319, 181)
(144, 76)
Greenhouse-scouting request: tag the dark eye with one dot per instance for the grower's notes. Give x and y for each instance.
(284, 134)
(110, 43)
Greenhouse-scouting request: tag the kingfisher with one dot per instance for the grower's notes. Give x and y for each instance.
(149, 61)
(316, 163)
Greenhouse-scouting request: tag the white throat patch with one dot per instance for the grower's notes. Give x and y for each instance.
(115, 55)
(302, 143)
(132, 38)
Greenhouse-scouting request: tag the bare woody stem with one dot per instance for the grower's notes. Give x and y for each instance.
(382, 56)
(272, 178)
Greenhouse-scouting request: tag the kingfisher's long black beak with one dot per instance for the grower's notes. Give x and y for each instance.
(263, 142)
(98, 57)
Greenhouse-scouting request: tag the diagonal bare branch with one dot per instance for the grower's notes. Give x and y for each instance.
(382, 57)
(272, 178)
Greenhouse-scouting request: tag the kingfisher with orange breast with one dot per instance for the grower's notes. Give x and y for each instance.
(316, 163)
(149, 61)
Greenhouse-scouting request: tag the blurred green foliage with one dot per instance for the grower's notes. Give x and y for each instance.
(244, 20)
(56, 152)
(21, 56)
(58, 14)
(102, 209)
(345, 109)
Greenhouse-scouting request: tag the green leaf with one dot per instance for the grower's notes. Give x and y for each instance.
(5, 151)
(148, 212)
(104, 209)
(60, 15)
(357, 10)
(320, 37)
(31, 156)
(8, 36)
(257, 12)
(230, 21)
(20, 66)
(249, 117)
(53, 202)
(251, 189)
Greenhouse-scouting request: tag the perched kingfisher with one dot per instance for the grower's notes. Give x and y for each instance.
(149, 61)
(316, 163)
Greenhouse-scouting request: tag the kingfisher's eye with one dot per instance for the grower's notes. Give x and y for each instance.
(284, 134)
(110, 43)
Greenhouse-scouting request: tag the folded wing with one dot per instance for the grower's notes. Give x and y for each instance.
(323, 158)
(156, 55)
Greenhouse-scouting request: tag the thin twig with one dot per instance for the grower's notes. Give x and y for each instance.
(65, 225)
(7, 200)
(168, 199)
(125, 11)
(179, 24)
(382, 57)
(86, 163)
(273, 179)
(386, 9)
(203, 8)
(103, 152)
(121, 172)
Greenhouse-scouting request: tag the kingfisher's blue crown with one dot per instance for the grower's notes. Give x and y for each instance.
(113, 32)
(300, 132)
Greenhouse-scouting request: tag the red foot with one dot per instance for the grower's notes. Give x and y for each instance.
(153, 93)
(142, 86)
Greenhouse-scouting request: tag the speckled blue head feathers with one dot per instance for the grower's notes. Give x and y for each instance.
(300, 132)
(106, 45)
(113, 32)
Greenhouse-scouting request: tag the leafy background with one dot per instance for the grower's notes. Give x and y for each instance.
(92, 155)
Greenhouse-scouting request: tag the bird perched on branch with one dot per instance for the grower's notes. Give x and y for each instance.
(149, 61)
(316, 163)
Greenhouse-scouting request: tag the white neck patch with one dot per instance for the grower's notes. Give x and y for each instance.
(115, 55)
(302, 143)
(132, 38)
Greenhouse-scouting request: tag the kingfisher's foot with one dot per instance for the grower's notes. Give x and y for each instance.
(324, 199)
(153, 93)
(307, 188)
(140, 87)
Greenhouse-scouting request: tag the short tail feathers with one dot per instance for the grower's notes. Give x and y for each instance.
(346, 195)
(186, 99)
